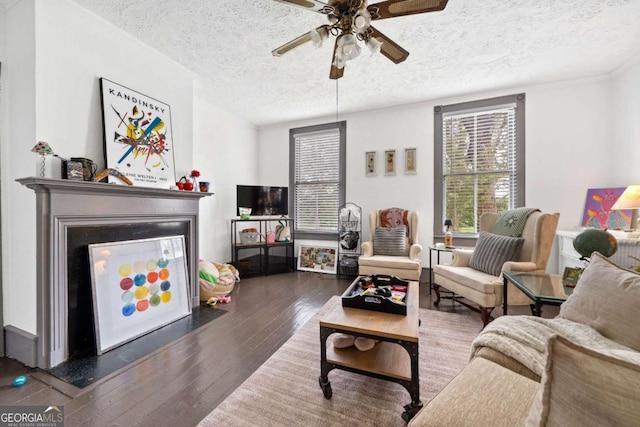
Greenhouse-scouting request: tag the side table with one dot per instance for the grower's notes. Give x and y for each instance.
(437, 250)
(540, 288)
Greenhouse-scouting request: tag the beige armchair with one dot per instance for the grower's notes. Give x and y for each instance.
(405, 262)
(484, 289)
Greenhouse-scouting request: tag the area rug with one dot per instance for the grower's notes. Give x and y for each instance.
(84, 371)
(284, 391)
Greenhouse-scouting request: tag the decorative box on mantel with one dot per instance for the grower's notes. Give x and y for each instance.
(73, 214)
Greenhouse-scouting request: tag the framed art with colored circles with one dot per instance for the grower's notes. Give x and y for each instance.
(138, 286)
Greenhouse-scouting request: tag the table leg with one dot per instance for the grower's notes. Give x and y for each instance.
(430, 272)
(413, 387)
(323, 381)
(537, 308)
(505, 306)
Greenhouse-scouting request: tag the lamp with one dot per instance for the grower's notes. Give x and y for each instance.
(348, 49)
(356, 27)
(373, 45)
(318, 36)
(43, 149)
(630, 199)
(448, 223)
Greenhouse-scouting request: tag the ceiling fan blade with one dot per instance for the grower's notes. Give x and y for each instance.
(393, 8)
(335, 72)
(314, 5)
(305, 38)
(389, 48)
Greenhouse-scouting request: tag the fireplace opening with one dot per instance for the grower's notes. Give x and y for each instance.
(80, 317)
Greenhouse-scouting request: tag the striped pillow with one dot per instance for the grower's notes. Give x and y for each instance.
(390, 241)
(492, 251)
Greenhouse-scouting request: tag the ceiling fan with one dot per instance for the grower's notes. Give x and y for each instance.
(350, 21)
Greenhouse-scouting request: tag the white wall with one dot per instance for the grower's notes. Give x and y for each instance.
(626, 119)
(56, 99)
(18, 136)
(567, 137)
(225, 152)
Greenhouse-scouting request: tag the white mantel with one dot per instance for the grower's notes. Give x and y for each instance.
(61, 204)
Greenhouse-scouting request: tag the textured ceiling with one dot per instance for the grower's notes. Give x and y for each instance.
(471, 46)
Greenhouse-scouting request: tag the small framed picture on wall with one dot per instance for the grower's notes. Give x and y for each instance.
(370, 163)
(390, 162)
(410, 161)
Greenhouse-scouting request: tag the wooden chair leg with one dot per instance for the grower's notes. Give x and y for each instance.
(485, 313)
(436, 288)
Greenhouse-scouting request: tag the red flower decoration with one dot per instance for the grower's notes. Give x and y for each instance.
(195, 173)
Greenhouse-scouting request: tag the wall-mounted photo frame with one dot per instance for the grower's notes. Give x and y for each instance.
(410, 165)
(317, 259)
(390, 162)
(571, 276)
(138, 286)
(370, 158)
(138, 139)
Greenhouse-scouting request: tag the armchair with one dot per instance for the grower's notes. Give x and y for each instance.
(404, 262)
(485, 289)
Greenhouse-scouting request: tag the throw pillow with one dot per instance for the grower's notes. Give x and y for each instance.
(607, 298)
(581, 387)
(390, 241)
(492, 251)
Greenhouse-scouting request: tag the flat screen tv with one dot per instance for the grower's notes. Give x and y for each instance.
(263, 200)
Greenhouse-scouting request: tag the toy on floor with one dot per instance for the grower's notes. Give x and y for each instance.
(216, 279)
(19, 380)
(214, 300)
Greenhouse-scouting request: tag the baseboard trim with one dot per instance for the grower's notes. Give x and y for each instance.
(21, 345)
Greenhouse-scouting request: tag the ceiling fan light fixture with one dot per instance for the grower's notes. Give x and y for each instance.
(361, 21)
(374, 45)
(348, 47)
(318, 36)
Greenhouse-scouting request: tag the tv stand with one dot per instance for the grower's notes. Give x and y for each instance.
(261, 257)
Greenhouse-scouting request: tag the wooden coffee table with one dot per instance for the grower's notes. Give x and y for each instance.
(395, 358)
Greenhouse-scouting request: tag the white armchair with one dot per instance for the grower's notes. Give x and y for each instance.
(406, 265)
(485, 290)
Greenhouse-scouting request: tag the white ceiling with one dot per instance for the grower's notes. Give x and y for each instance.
(471, 46)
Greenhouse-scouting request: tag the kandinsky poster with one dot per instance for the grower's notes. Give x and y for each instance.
(137, 136)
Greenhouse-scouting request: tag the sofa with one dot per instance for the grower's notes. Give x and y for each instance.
(581, 368)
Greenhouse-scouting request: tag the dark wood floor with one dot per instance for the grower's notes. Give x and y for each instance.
(181, 383)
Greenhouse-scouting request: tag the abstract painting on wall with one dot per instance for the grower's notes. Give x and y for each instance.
(598, 213)
(138, 286)
(138, 138)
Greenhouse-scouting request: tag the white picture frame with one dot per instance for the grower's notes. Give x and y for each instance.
(390, 162)
(370, 163)
(319, 259)
(137, 286)
(410, 161)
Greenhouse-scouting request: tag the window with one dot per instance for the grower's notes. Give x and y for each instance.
(317, 177)
(479, 161)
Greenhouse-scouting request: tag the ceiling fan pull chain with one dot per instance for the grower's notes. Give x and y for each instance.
(337, 80)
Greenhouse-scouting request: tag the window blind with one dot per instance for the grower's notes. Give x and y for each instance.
(317, 180)
(479, 171)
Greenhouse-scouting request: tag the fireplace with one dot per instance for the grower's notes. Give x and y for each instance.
(73, 214)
